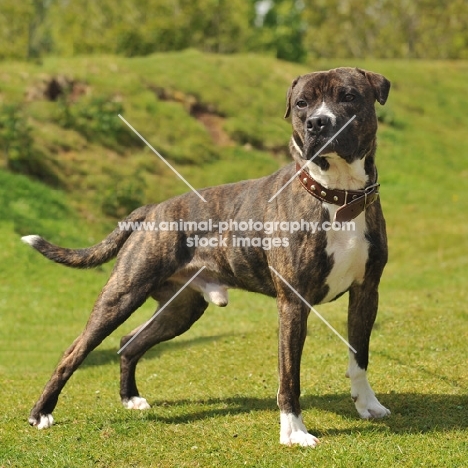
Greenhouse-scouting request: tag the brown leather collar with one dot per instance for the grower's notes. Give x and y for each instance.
(351, 202)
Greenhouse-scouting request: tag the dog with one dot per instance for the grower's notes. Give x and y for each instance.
(332, 179)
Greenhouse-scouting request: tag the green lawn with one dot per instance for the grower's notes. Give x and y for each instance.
(213, 389)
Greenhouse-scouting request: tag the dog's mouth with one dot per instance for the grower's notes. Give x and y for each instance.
(319, 145)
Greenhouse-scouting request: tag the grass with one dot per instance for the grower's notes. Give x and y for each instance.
(90, 163)
(213, 389)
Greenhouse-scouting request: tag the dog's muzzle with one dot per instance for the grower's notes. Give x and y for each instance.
(319, 130)
(318, 124)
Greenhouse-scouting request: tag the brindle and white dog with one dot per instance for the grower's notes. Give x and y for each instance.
(338, 184)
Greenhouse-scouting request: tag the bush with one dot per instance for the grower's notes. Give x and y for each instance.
(124, 195)
(15, 136)
(17, 145)
(97, 119)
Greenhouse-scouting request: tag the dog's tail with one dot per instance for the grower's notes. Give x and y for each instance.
(91, 256)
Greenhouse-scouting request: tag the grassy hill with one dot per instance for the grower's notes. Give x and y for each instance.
(219, 119)
(202, 112)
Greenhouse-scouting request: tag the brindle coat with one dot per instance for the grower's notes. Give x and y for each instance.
(157, 263)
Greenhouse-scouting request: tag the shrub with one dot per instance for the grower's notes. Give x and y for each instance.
(124, 195)
(97, 119)
(15, 136)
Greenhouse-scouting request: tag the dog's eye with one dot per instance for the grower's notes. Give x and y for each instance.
(348, 97)
(301, 104)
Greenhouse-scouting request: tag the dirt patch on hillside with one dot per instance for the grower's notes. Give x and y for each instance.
(205, 113)
(51, 88)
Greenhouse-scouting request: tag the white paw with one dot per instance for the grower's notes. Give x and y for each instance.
(304, 439)
(362, 394)
(293, 432)
(369, 407)
(44, 422)
(136, 403)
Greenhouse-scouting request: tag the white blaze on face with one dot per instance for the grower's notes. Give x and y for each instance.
(324, 110)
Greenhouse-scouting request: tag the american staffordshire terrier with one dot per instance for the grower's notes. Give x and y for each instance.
(335, 185)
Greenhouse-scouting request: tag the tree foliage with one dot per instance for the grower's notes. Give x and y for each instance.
(293, 30)
(433, 29)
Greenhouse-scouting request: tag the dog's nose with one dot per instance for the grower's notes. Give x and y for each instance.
(318, 123)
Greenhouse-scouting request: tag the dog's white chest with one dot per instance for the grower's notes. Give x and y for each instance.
(347, 246)
(349, 249)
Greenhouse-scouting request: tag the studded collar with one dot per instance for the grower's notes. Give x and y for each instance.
(351, 202)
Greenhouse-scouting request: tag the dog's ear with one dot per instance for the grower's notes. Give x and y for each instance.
(288, 97)
(380, 84)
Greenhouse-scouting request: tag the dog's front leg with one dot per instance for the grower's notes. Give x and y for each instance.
(292, 333)
(362, 312)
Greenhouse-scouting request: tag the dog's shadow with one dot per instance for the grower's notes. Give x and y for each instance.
(412, 413)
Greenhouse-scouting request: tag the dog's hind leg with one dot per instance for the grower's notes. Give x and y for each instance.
(126, 290)
(176, 318)
(361, 317)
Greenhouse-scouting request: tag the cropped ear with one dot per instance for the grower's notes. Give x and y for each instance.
(288, 97)
(380, 84)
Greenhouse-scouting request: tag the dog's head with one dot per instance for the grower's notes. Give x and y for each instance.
(322, 103)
